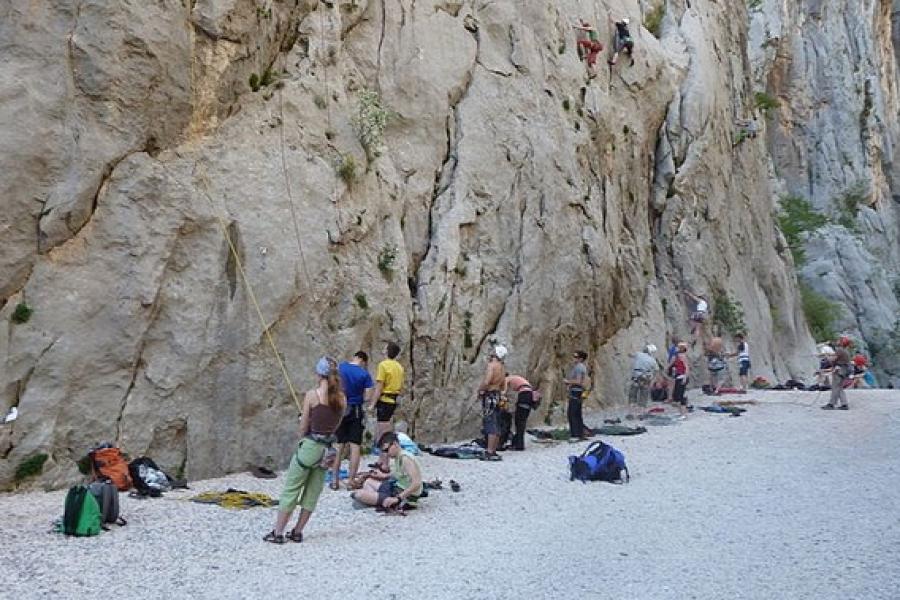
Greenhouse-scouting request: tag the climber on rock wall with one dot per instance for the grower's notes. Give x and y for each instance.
(623, 41)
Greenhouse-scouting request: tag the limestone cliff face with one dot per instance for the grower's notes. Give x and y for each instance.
(510, 197)
(833, 67)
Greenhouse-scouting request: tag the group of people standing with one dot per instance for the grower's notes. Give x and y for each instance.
(334, 414)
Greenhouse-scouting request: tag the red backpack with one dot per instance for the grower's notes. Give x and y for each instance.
(110, 464)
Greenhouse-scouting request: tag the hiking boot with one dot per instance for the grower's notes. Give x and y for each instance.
(844, 407)
(828, 406)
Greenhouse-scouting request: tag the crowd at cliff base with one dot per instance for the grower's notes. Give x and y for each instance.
(334, 415)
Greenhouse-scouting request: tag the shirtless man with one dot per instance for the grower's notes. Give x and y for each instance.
(489, 394)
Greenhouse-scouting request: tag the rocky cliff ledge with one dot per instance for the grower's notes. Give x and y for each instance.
(438, 173)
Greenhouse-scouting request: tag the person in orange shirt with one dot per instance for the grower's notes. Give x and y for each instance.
(525, 398)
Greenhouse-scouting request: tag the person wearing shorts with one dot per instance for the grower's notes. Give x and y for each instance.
(357, 384)
(388, 385)
(743, 356)
(402, 487)
(489, 392)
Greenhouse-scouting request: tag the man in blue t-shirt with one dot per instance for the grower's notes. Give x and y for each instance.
(357, 384)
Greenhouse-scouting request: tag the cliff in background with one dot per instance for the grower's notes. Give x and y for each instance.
(509, 197)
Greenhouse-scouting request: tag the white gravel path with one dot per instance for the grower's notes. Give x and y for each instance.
(787, 501)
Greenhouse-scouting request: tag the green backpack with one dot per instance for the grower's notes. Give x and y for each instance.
(82, 512)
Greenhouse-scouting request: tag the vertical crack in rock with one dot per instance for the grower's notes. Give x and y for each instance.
(231, 271)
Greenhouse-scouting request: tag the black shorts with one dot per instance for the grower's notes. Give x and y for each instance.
(384, 411)
(350, 431)
(744, 367)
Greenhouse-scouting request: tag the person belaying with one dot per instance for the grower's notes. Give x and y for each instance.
(576, 383)
(841, 371)
(743, 356)
(715, 363)
(323, 408)
(623, 41)
(489, 393)
(588, 43)
(357, 384)
(681, 370)
(643, 371)
(388, 385)
(525, 401)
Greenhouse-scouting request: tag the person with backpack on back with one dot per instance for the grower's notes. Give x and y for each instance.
(623, 41)
(489, 393)
(681, 371)
(576, 384)
(357, 384)
(525, 402)
(323, 409)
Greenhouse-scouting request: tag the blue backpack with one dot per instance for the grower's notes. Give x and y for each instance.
(598, 462)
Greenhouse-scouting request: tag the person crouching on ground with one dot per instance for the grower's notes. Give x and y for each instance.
(401, 487)
(357, 384)
(681, 370)
(576, 383)
(489, 392)
(524, 399)
(323, 408)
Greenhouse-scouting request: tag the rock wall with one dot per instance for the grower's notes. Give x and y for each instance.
(833, 68)
(511, 197)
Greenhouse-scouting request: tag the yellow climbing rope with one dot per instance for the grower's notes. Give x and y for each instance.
(240, 268)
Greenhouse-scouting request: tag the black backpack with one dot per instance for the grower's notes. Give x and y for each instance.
(134, 468)
(107, 496)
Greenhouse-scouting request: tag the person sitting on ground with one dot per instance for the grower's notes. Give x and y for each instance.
(643, 371)
(576, 384)
(623, 41)
(743, 356)
(388, 385)
(524, 401)
(588, 44)
(489, 392)
(700, 314)
(841, 370)
(357, 384)
(323, 408)
(681, 371)
(715, 363)
(399, 489)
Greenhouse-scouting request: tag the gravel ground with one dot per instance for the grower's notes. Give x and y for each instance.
(787, 501)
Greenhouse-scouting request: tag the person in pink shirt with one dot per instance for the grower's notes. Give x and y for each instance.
(526, 398)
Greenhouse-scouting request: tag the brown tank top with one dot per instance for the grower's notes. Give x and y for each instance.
(323, 420)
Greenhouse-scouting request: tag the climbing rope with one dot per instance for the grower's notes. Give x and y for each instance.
(240, 268)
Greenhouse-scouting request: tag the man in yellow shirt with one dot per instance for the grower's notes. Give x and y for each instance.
(388, 385)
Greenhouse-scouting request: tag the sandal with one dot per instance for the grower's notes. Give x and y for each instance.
(455, 486)
(273, 538)
(295, 536)
(335, 485)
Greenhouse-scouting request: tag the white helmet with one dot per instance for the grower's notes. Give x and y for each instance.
(626, 20)
(500, 351)
(650, 349)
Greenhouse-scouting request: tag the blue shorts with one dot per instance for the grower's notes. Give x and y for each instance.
(490, 423)
(744, 366)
